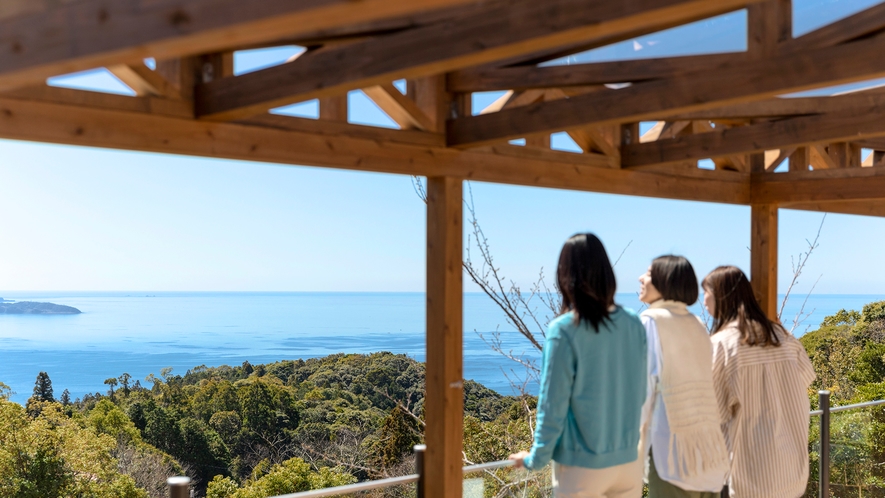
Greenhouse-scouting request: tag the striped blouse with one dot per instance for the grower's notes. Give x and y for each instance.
(763, 401)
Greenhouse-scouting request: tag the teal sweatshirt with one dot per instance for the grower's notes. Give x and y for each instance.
(591, 394)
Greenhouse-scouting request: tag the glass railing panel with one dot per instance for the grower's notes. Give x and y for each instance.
(857, 454)
(508, 482)
(398, 491)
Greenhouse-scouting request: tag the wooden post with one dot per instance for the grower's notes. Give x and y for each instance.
(334, 108)
(845, 155)
(539, 141)
(799, 159)
(768, 23)
(444, 383)
(763, 256)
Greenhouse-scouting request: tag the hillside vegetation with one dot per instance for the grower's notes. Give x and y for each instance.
(253, 431)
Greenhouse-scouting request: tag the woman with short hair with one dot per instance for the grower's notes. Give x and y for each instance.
(761, 374)
(593, 383)
(681, 426)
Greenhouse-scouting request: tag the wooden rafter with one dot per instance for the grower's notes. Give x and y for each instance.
(785, 107)
(831, 127)
(859, 25)
(832, 185)
(524, 77)
(743, 82)
(52, 38)
(481, 37)
(401, 109)
(144, 81)
(152, 133)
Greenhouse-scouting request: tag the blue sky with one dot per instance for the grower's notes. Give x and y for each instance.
(92, 219)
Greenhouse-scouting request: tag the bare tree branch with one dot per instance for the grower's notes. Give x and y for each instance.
(798, 265)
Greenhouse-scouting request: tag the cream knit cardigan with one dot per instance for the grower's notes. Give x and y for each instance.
(686, 386)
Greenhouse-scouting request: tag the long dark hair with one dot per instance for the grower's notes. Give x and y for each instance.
(586, 279)
(674, 278)
(734, 300)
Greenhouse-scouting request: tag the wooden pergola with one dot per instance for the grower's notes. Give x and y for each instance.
(722, 107)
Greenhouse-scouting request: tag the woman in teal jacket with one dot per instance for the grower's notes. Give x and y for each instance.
(593, 383)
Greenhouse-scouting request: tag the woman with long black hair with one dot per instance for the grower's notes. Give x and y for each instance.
(593, 383)
(761, 374)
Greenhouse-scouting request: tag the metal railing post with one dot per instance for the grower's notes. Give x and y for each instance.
(179, 487)
(824, 469)
(419, 469)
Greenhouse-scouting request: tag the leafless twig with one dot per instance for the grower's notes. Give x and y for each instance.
(798, 265)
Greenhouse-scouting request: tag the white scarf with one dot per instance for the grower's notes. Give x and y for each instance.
(687, 389)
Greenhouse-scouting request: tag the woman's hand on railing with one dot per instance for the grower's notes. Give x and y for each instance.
(518, 457)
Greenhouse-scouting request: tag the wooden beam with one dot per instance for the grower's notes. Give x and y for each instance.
(429, 94)
(820, 158)
(334, 108)
(859, 208)
(769, 23)
(62, 37)
(742, 82)
(763, 256)
(785, 107)
(859, 25)
(99, 100)
(844, 154)
(499, 31)
(337, 128)
(828, 185)
(799, 160)
(794, 132)
(401, 109)
(444, 385)
(774, 158)
(597, 73)
(54, 123)
(143, 81)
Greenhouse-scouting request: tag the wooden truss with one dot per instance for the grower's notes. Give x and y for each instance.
(724, 107)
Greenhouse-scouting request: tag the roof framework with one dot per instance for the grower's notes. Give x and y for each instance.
(723, 107)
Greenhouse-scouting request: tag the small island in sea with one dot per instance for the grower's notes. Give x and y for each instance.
(33, 308)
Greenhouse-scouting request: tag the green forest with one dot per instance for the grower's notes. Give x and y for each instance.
(253, 431)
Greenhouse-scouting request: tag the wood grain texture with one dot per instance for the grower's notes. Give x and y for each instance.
(763, 256)
(787, 133)
(729, 84)
(52, 38)
(859, 208)
(861, 24)
(786, 107)
(444, 399)
(525, 77)
(401, 109)
(830, 185)
(497, 32)
(72, 125)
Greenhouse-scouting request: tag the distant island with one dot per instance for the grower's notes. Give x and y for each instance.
(32, 308)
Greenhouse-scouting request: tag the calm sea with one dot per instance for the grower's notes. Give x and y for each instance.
(141, 333)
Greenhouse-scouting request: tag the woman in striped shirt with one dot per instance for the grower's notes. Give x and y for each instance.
(761, 374)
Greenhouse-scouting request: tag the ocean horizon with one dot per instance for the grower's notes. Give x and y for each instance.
(142, 332)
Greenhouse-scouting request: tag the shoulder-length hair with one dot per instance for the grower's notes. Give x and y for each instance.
(674, 278)
(733, 299)
(585, 279)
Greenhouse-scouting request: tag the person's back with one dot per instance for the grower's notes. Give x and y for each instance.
(763, 391)
(601, 421)
(761, 374)
(593, 383)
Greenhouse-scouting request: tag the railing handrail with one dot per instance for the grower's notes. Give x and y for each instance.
(354, 488)
(480, 467)
(388, 482)
(843, 408)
